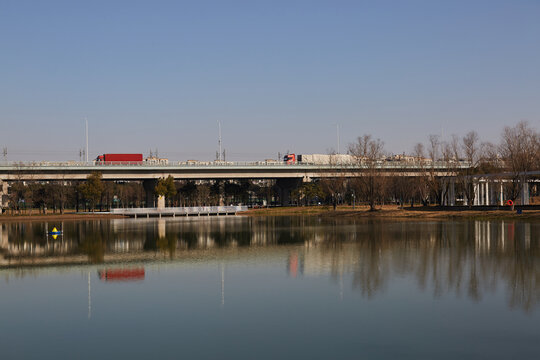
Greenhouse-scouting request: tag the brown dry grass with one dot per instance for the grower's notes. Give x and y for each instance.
(390, 211)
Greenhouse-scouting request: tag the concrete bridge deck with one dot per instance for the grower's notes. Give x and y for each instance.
(30, 171)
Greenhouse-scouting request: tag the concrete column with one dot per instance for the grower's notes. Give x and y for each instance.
(501, 193)
(486, 190)
(480, 194)
(221, 188)
(161, 202)
(149, 186)
(476, 193)
(3, 195)
(481, 197)
(445, 192)
(492, 194)
(285, 186)
(524, 196)
(452, 193)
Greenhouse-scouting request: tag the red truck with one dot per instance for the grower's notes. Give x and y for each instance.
(120, 159)
(290, 159)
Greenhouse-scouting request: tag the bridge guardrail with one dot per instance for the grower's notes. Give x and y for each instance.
(379, 165)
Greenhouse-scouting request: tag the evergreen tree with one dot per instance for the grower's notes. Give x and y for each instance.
(92, 188)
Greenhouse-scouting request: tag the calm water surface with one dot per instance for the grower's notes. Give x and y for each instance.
(266, 288)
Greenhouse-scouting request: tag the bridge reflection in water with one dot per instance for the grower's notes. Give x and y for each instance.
(473, 258)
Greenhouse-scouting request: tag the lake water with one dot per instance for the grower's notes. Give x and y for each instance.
(267, 288)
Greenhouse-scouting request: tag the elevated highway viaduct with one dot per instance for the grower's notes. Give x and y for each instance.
(287, 176)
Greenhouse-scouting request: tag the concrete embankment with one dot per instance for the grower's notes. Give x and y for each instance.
(63, 217)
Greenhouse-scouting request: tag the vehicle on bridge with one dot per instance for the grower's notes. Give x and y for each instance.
(290, 159)
(154, 160)
(348, 159)
(320, 159)
(119, 159)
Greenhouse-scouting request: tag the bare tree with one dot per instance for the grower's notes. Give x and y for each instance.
(448, 156)
(434, 147)
(265, 191)
(61, 192)
(519, 149)
(203, 195)
(433, 181)
(369, 153)
(403, 188)
(188, 192)
(333, 187)
(471, 153)
(20, 193)
(421, 183)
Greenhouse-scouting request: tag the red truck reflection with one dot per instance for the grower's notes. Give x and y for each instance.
(121, 274)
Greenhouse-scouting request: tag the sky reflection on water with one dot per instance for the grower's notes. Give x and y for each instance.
(270, 287)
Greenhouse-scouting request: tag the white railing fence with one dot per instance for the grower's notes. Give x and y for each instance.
(192, 210)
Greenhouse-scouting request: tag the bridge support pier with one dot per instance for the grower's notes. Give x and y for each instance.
(524, 194)
(161, 202)
(476, 193)
(452, 193)
(285, 186)
(493, 193)
(221, 190)
(149, 186)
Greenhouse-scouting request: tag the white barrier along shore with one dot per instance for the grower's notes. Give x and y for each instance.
(180, 211)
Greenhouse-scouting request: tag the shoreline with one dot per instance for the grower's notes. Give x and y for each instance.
(384, 212)
(64, 217)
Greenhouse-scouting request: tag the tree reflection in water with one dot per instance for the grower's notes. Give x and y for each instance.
(465, 258)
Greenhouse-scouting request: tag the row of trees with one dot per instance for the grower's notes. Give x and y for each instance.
(56, 196)
(206, 193)
(514, 160)
(95, 193)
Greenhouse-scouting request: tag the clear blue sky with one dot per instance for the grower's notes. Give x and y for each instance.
(278, 74)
